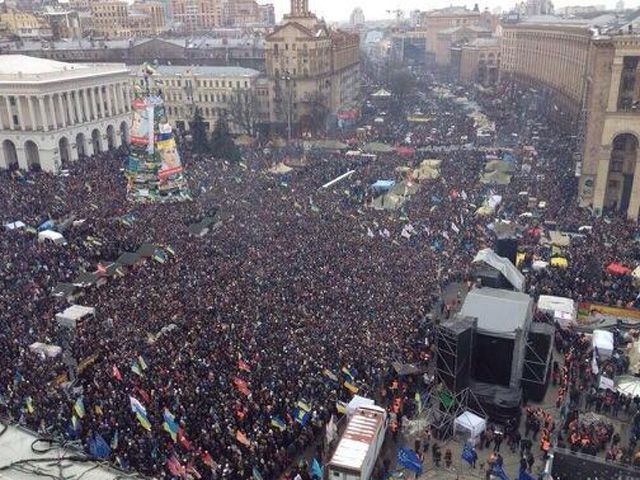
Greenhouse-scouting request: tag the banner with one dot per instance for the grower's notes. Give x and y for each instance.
(142, 123)
(170, 158)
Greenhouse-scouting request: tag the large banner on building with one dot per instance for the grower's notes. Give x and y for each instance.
(170, 157)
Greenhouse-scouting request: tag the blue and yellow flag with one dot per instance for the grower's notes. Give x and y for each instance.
(341, 407)
(303, 405)
(349, 374)
(142, 362)
(78, 407)
(301, 416)
(170, 425)
(351, 387)
(114, 440)
(329, 374)
(144, 421)
(135, 368)
(278, 423)
(28, 405)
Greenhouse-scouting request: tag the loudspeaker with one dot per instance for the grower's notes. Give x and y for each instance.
(537, 361)
(454, 340)
(507, 248)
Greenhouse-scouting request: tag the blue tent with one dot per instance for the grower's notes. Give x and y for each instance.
(383, 184)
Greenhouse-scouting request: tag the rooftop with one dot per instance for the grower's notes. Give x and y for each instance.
(35, 70)
(500, 312)
(217, 71)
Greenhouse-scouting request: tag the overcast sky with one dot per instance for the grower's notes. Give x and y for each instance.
(377, 9)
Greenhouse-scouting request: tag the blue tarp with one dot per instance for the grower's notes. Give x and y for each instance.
(383, 184)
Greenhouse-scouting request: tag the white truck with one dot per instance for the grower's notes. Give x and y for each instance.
(358, 448)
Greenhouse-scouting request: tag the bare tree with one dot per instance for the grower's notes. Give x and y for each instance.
(244, 112)
(314, 120)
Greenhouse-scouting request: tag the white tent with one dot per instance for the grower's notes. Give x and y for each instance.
(503, 265)
(74, 314)
(50, 351)
(563, 309)
(51, 236)
(356, 402)
(14, 225)
(603, 341)
(470, 423)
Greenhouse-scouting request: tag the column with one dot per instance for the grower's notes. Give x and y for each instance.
(9, 114)
(43, 114)
(614, 90)
(110, 112)
(52, 108)
(2, 122)
(127, 97)
(116, 97)
(32, 116)
(72, 117)
(101, 99)
(94, 105)
(87, 110)
(76, 97)
(20, 115)
(62, 114)
(634, 201)
(602, 178)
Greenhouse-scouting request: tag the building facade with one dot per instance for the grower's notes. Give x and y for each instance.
(244, 13)
(118, 19)
(593, 76)
(192, 16)
(23, 25)
(211, 89)
(480, 61)
(248, 52)
(52, 112)
(307, 63)
(441, 28)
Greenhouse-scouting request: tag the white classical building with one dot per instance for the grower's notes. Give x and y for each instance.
(54, 112)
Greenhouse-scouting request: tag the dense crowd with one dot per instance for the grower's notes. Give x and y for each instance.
(296, 287)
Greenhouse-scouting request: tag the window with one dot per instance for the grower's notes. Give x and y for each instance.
(12, 101)
(217, 84)
(15, 120)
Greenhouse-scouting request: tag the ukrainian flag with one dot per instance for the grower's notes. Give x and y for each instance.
(351, 387)
(142, 363)
(78, 408)
(135, 368)
(303, 405)
(301, 416)
(348, 374)
(278, 422)
(28, 405)
(329, 374)
(144, 421)
(170, 424)
(341, 407)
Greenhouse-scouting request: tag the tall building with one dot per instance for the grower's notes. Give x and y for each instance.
(23, 24)
(443, 28)
(54, 112)
(307, 62)
(242, 13)
(110, 18)
(591, 72)
(357, 17)
(197, 15)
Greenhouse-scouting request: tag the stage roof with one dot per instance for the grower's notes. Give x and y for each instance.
(15, 445)
(499, 312)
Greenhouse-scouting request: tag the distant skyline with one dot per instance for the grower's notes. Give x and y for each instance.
(340, 10)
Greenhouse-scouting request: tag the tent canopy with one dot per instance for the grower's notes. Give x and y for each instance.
(503, 265)
(73, 314)
(378, 147)
(563, 309)
(603, 341)
(495, 178)
(470, 423)
(382, 93)
(617, 269)
(14, 225)
(383, 184)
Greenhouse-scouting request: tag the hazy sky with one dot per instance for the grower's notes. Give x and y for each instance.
(376, 9)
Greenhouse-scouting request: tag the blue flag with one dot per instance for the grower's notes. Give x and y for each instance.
(468, 455)
(98, 447)
(499, 472)
(316, 469)
(409, 459)
(301, 416)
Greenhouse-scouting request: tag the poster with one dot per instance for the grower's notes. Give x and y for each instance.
(142, 123)
(170, 158)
